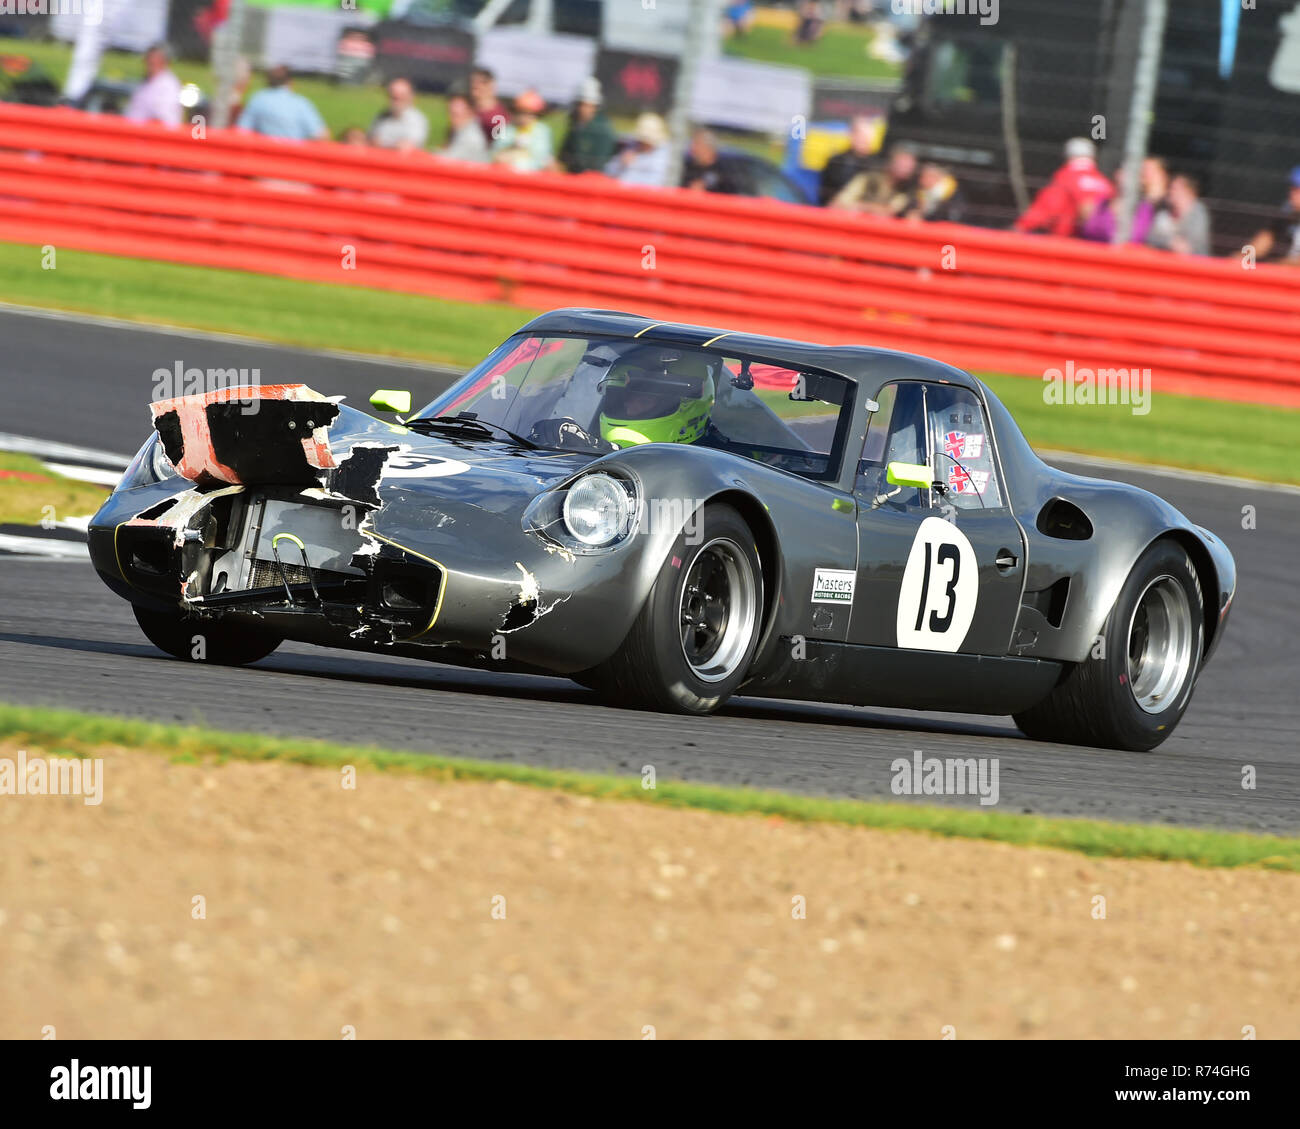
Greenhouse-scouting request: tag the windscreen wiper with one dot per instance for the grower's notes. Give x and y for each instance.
(469, 422)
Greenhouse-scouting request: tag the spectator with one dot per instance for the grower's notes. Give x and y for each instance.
(1071, 196)
(353, 135)
(737, 19)
(92, 36)
(1102, 222)
(645, 161)
(465, 140)
(890, 192)
(938, 197)
(402, 126)
(859, 157)
(493, 117)
(1184, 226)
(354, 57)
(1279, 242)
(279, 111)
(893, 32)
(704, 171)
(1154, 184)
(590, 142)
(811, 22)
(158, 98)
(525, 144)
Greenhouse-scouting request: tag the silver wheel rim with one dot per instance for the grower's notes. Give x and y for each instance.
(717, 611)
(1161, 638)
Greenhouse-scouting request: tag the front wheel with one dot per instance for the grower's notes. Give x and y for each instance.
(691, 645)
(1136, 685)
(197, 640)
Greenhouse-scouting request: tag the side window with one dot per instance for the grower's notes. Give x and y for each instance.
(896, 433)
(778, 416)
(962, 455)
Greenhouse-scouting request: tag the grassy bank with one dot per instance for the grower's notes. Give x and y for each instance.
(83, 734)
(1244, 440)
(840, 52)
(309, 314)
(29, 493)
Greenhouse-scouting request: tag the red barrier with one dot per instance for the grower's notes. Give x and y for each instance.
(981, 299)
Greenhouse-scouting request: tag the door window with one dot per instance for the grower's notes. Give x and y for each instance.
(961, 451)
(896, 433)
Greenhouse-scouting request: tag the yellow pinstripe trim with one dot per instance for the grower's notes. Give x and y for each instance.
(442, 587)
(648, 328)
(118, 556)
(718, 338)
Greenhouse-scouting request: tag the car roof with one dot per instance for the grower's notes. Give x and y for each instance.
(863, 363)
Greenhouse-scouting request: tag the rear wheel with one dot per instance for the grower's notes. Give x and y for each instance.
(693, 641)
(198, 640)
(1135, 688)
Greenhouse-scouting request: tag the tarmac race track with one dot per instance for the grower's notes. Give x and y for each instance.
(66, 641)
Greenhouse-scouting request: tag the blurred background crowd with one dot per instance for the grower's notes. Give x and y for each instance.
(876, 107)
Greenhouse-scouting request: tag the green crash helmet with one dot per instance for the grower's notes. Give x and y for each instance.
(643, 406)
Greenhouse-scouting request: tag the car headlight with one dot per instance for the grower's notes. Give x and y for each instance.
(150, 465)
(598, 510)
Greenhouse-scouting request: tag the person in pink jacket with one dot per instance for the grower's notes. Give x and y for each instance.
(1072, 194)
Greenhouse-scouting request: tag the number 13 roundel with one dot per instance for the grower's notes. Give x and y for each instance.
(940, 589)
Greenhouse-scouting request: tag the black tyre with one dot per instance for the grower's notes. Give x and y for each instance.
(224, 644)
(693, 641)
(1136, 691)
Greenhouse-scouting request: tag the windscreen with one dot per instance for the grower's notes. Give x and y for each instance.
(600, 394)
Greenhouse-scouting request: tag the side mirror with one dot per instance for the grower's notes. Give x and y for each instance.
(910, 474)
(390, 400)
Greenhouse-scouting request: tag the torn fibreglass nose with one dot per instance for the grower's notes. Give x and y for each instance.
(272, 433)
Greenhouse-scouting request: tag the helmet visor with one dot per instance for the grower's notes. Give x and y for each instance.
(647, 395)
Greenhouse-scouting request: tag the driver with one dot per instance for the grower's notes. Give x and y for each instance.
(667, 402)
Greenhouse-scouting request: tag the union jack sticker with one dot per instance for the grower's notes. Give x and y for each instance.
(962, 481)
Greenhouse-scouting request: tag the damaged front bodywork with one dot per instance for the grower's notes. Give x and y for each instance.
(300, 515)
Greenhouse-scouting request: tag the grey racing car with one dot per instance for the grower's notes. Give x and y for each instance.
(670, 515)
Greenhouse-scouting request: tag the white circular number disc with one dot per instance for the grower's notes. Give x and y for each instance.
(405, 464)
(940, 589)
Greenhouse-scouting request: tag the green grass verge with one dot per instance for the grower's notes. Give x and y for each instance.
(310, 314)
(1249, 440)
(25, 502)
(840, 52)
(78, 734)
(1246, 440)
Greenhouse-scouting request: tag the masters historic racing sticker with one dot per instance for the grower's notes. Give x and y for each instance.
(833, 586)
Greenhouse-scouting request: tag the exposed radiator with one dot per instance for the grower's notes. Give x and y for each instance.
(266, 574)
